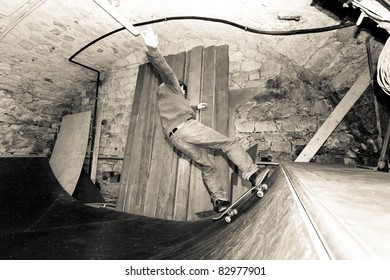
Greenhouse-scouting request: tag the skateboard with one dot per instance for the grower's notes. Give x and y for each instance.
(232, 211)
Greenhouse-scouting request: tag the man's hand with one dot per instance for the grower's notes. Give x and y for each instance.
(149, 37)
(201, 106)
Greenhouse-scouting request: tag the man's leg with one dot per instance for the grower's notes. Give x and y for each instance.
(203, 136)
(209, 172)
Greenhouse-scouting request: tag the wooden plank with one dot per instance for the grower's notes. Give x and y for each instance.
(156, 188)
(207, 117)
(222, 111)
(182, 188)
(195, 61)
(160, 193)
(157, 162)
(222, 90)
(183, 167)
(167, 182)
(147, 144)
(208, 93)
(121, 201)
(134, 189)
(335, 118)
(69, 150)
(178, 66)
(117, 16)
(166, 198)
(237, 97)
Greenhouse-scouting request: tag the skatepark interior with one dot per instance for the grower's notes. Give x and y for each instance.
(325, 200)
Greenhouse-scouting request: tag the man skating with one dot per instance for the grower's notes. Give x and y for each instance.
(191, 137)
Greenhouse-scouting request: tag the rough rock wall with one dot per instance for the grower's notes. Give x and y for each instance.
(297, 90)
(29, 120)
(116, 95)
(38, 85)
(284, 116)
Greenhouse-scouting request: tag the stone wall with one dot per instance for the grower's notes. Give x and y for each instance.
(116, 99)
(29, 120)
(297, 90)
(282, 119)
(38, 85)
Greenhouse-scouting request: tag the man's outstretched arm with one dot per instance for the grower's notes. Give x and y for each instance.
(156, 58)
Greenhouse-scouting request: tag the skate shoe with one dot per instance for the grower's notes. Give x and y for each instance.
(256, 177)
(221, 205)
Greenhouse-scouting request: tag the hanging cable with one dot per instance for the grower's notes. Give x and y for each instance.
(243, 27)
(380, 14)
(383, 69)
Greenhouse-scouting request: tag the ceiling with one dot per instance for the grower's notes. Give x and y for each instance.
(42, 35)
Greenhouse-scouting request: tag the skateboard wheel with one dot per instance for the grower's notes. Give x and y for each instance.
(234, 212)
(265, 187)
(228, 219)
(260, 193)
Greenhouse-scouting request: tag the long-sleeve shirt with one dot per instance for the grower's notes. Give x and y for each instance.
(173, 107)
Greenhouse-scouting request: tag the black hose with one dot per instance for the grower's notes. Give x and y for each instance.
(246, 28)
(249, 29)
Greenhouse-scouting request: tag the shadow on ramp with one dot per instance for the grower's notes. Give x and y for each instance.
(39, 220)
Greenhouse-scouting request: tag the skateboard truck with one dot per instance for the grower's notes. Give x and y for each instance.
(232, 211)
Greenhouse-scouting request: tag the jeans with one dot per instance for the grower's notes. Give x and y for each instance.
(193, 138)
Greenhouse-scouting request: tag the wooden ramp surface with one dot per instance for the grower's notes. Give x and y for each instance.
(39, 220)
(349, 207)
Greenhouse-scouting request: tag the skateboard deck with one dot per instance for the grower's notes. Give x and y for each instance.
(231, 211)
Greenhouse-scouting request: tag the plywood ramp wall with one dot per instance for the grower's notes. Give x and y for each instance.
(157, 180)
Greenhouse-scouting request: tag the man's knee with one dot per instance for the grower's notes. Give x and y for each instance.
(231, 144)
(209, 169)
